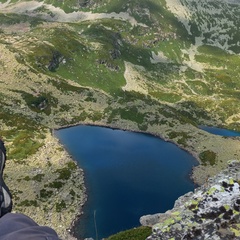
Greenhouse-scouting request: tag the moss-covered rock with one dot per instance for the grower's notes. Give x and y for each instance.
(211, 212)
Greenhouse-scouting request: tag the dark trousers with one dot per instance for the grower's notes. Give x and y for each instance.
(16, 226)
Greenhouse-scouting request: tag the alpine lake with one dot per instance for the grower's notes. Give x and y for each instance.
(127, 175)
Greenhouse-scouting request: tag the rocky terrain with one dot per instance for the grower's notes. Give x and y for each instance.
(162, 67)
(212, 211)
(48, 186)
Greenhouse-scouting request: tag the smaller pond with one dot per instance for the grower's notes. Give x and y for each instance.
(220, 131)
(127, 175)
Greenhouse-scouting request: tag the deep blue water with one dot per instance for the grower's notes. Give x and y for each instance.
(127, 175)
(220, 131)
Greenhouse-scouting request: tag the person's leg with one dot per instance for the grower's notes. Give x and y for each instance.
(5, 195)
(18, 226)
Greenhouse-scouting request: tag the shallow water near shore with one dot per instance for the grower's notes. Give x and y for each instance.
(127, 175)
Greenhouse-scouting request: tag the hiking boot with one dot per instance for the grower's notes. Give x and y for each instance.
(5, 195)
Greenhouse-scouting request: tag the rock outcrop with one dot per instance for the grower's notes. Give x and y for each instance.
(212, 211)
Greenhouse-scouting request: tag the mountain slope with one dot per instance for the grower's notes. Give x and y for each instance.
(162, 67)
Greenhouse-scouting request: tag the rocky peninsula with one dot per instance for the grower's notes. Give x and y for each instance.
(48, 187)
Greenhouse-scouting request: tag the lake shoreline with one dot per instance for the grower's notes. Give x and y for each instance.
(199, 173)
(80, 212)
(69, 136)
(194, 154)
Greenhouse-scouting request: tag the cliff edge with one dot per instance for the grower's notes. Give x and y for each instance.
(212, 211)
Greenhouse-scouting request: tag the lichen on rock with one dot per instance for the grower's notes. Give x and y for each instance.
(212, 211)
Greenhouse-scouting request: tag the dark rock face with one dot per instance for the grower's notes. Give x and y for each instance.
(85, 3)
(211, 212)
(55, 61)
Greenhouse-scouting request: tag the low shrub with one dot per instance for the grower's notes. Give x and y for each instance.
(140, 233)
(208, 157)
